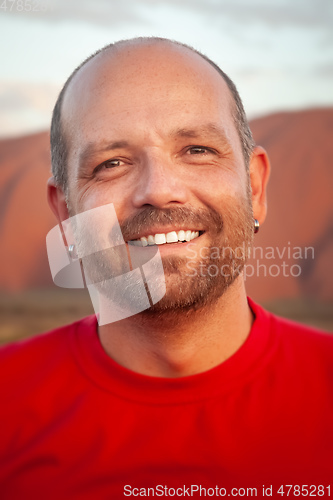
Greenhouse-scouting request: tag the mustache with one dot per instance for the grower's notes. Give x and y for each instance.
(180, 216)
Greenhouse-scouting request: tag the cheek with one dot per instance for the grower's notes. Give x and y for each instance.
(99, 194)
(221, 187)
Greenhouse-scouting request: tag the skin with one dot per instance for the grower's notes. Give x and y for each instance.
(142, 97)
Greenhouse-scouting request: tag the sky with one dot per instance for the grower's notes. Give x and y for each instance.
(278, 52)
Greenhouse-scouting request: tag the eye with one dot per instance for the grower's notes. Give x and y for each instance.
(112, 163)
(198, 150)
(109, 164)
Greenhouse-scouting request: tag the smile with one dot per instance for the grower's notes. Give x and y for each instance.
(163, 238)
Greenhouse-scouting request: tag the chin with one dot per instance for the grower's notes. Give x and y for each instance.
(185, 295)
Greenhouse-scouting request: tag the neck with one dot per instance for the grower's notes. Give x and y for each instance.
(177, 345)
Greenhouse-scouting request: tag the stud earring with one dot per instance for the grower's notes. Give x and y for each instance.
(256, 226)
(72, 252)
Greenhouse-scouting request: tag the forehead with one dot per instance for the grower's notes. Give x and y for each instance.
(145, 86)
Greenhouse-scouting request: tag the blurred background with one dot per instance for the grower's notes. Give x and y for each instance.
(280, 55)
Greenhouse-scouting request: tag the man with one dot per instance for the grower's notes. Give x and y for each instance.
(204, 393)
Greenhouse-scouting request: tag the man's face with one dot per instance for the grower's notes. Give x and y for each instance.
(151, 130)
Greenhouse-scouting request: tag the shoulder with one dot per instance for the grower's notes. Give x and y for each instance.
(288, 329)
(294, 332)
(40, 381)
(40, 352)
(296, 345)
(310, 346)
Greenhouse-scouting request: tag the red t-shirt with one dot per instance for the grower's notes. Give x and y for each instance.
(76, 425)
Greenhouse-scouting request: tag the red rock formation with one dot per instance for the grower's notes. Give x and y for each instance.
(300, 212)
(25, 217)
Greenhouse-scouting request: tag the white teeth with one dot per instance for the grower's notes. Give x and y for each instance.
(172, 237)
(160, 239)
(181, 235)
(188, 235)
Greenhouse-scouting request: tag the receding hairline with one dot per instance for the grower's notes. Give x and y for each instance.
(120, 46)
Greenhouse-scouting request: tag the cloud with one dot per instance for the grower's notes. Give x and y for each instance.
(309, 13)
(25, 107)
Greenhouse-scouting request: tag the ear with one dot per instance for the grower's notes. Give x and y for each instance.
(57, 200)
(259, 175)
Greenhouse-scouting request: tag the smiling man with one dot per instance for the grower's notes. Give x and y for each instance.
(204, 393)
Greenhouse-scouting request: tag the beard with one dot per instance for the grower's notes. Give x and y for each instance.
(192, 283)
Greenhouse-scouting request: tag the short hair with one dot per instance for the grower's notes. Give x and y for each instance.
(59, 147)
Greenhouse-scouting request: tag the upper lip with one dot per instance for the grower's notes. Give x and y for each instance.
(163, 230)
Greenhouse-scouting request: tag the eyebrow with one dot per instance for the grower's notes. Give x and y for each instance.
(210, 129)
(206, 129)
(92, 149)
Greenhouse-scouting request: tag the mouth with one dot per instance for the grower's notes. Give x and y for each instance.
(182, 236)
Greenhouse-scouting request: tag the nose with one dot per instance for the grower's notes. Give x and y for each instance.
(161, 184)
